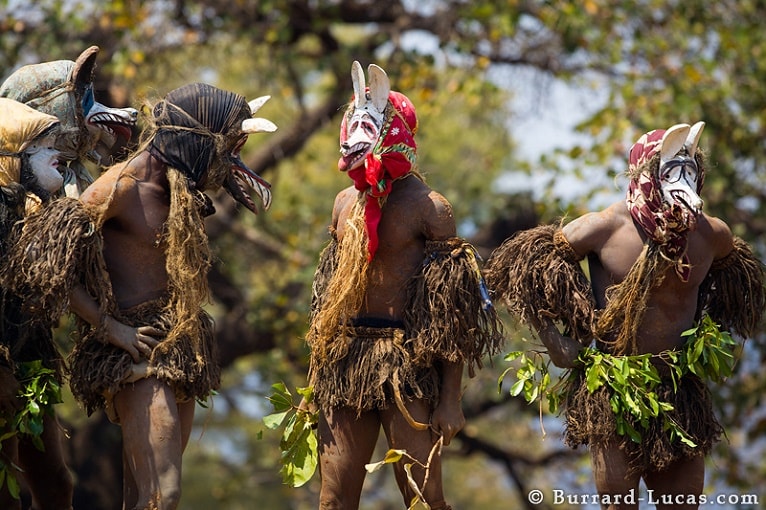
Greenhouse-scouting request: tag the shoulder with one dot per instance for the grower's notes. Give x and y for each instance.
(343, 200)
(117, 187)
(590, 231)
(103, 188)
(434, 210)
(346, 195)
(718, 234)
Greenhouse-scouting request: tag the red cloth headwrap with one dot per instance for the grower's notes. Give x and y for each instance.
(392, 158)
(666, 224)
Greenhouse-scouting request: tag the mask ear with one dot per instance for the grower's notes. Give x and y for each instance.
(693, 138)
(84, 70)
(673, 141)
(357, 78)
(380, 86)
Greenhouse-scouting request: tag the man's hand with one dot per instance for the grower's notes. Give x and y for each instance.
(9, 390)
(138, 342)
(562, 350)
(447, 419)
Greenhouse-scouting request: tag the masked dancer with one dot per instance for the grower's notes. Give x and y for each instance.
(399, 307)
(135, 256)
(658, 267)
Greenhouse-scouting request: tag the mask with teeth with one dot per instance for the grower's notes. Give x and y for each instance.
(377, 142)
(64, 88)
(200, 129)
(663, 195)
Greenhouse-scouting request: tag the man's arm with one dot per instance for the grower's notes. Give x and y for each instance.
(438, 223)
(585, 235)
(562, 350)
(137, 342)
(722, 239)
(588, 233)
(448, 416)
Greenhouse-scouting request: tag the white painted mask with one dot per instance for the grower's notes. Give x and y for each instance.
(43, 161)
(679, 176)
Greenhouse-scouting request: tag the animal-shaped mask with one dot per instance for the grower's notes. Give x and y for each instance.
(200, 129)
(663, 197)
(362, 128)
(65, 89)
(377, 140)
(680, 178)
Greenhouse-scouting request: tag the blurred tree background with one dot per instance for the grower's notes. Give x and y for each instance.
(482, 75)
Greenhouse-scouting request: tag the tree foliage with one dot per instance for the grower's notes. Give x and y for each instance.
(647, 64)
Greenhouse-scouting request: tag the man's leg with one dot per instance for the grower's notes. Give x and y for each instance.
(679, 486)
(418, 444)
(186, 417)
(152, 442)
(8, 455)
(346, 444)
(610, 470)
(46, 473)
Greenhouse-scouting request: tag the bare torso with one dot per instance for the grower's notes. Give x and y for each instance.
(137, 201)
(412, 214)
(612, 242)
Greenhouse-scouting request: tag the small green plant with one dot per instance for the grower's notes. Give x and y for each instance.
(632, 380)
(299, 441)
(533, 379)
(39, 392)
(708, 352)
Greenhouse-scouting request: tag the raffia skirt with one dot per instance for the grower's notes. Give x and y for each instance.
(365, 366)
(590, 420)
(188, 365)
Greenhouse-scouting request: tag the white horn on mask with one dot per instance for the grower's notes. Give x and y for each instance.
(257, 124)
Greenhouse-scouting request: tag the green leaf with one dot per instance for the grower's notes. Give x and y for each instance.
(307, 393)
(301, 459)
(275, 420)
(593, 378)
(531, 393)
(281, 399)
(298, 443)
(654, 405)
(13, 486)
(517, 387)
(33, 407)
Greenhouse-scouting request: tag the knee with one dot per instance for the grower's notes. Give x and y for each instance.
(333, 496)
(171, 499)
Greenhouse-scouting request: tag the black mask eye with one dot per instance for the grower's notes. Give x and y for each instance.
(678, 168)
